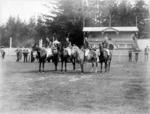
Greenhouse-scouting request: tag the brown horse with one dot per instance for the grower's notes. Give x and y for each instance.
(41, 55)
(55, 57)
(64, 58)
(92, 57)
(77, 55)
(80, 57)
(104, 58)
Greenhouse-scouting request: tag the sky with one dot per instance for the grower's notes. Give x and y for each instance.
(23, 8)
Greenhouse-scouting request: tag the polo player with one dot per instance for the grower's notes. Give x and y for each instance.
(105, 45)
(49, 43)
(86, 46)
(67, 46)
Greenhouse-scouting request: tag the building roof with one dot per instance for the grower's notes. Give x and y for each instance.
(110, 29)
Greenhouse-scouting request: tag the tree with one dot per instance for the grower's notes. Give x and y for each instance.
(141, 11)
(66, 20)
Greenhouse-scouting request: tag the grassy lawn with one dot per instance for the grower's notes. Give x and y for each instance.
(124, 90)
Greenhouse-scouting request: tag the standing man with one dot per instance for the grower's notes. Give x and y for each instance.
(146, 50)
(3, 53)
(18, 53)
(49, 43)
(86, 46)
(136, 55)
(130, 55)
(25, 54)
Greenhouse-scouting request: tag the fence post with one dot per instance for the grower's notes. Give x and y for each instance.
(10, 45)
(40, 43)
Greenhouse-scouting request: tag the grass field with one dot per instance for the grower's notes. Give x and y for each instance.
(124, 90)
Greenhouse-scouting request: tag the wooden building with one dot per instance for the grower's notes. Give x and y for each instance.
(124, 37)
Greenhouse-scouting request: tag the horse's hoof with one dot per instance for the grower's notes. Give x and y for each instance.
(100, 71)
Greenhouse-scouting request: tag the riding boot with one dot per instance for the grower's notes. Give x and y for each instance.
(85, 59)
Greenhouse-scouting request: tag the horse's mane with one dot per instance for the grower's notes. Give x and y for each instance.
(37, 48)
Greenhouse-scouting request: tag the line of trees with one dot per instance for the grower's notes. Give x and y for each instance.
(67, 18)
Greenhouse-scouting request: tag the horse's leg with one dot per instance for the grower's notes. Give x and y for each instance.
(96, 67)
(109, 64)
(92, 66)
(56, 65)
(61, 65)
(43, 65)
(106, 66)
(82, 70)
(39, 66)
(65, 65)
(73, 62)
(101, 67)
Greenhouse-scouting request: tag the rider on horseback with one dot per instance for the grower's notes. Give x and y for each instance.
(67, 46)
(105, 45)
(49, 43)
(86, 46)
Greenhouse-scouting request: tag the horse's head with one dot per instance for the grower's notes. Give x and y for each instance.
(100, 47)
(74, 49)
(55, 51)
(35, 47)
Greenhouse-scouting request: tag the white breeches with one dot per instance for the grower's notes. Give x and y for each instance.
(49, 51)
(107, 50)
(69, 50)
(87, 52)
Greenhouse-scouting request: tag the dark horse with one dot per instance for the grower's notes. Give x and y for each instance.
(104, 58)
(77, 56)
(41, 55)
(55, 56)
(64, 57)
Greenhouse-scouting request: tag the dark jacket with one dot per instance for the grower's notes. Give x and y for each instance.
(86, 45)
(67, 44)
(105, 44)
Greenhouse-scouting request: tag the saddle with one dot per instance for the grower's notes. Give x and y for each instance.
(42, 52)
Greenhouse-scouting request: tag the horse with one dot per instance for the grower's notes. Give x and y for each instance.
(77, 55)
(64, 58)
(19, 55)
(104, 58)
(92, 56)
(55, 56)
(41, 55)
